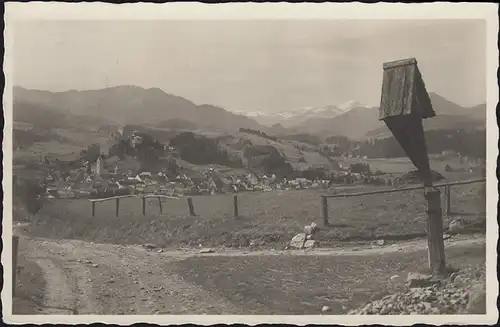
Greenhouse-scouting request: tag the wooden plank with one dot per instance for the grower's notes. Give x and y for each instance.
(134, 196)
(397, 63)
(419, 187)
(15, 246)
(113, 197)
(435, 242)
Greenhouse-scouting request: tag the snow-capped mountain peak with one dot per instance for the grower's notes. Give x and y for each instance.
(297, 116)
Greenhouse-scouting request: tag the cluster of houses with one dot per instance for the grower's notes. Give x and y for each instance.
(94, 181)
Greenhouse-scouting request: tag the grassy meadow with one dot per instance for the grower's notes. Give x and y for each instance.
(265, 218)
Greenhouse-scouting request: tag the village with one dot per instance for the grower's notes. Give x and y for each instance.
(106, 176)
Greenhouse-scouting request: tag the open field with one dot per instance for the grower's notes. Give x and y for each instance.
(266, 219)
(303, 284)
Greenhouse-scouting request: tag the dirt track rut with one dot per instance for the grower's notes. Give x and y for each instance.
(86, 278)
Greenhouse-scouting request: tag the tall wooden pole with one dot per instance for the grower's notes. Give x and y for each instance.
(235, 204)
(435, 241)
(324, 207)
(143, 206)
(191, 206)
(15, 245)
(161, 208)
(117, 206)
(93, 209)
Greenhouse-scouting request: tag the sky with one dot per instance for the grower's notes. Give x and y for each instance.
(266, 65)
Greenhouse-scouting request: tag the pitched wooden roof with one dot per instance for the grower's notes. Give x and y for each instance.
(403, 91)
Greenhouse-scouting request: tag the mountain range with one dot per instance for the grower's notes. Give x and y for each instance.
(135, 105)
(125, 105)
(296, 117)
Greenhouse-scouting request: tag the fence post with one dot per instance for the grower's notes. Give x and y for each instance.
(15, 243)
(324, 206)
(448, 200)
(435, 241)
(117, 206)
(143, 205)
(191, 206)
(159, 202)
(93, 209)
(235, 203)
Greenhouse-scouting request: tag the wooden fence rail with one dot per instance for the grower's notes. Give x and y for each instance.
(142, 197)
(447, 186)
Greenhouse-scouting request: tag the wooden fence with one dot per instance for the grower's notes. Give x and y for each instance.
(143, 198)
(447, 187)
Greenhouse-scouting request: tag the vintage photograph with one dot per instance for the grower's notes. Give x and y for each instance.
(248, 167)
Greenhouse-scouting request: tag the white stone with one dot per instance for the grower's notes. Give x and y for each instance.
(325, 308)
(310, 244)
(380, 242)
(207, 250)
(298, 241)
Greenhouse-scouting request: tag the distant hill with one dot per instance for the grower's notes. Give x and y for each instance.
(132, 104)
(449, 115)
(362, 122)
(45, 116)
(354, 124)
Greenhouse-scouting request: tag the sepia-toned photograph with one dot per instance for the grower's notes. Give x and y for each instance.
(332, 167)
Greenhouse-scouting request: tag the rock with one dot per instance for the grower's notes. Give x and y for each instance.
(207, 250)
(394, 277)
(159, 250)
(325, 308)
(420, 280)
(380, 242)
(298, 241)
(309, 237)
(148, 246)
(310, 244)
(95, 265)
(477, 299)
(446, 236)
(456, 225)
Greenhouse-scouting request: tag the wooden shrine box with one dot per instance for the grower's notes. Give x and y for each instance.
(404, 103)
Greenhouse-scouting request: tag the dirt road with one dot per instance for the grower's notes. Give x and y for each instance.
(86, 278)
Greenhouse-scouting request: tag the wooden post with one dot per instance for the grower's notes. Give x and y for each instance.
(235, 203)
(324, 206)
(191, 206)
(93, 209)
(161, 208)
(15, 243)
(117, 206)
(447, 192)
(143, 206)
(435, 241)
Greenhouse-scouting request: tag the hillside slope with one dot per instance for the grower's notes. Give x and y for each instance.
(363, 122)
(132, 104)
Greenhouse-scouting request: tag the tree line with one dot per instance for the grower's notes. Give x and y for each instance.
(471, 143)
